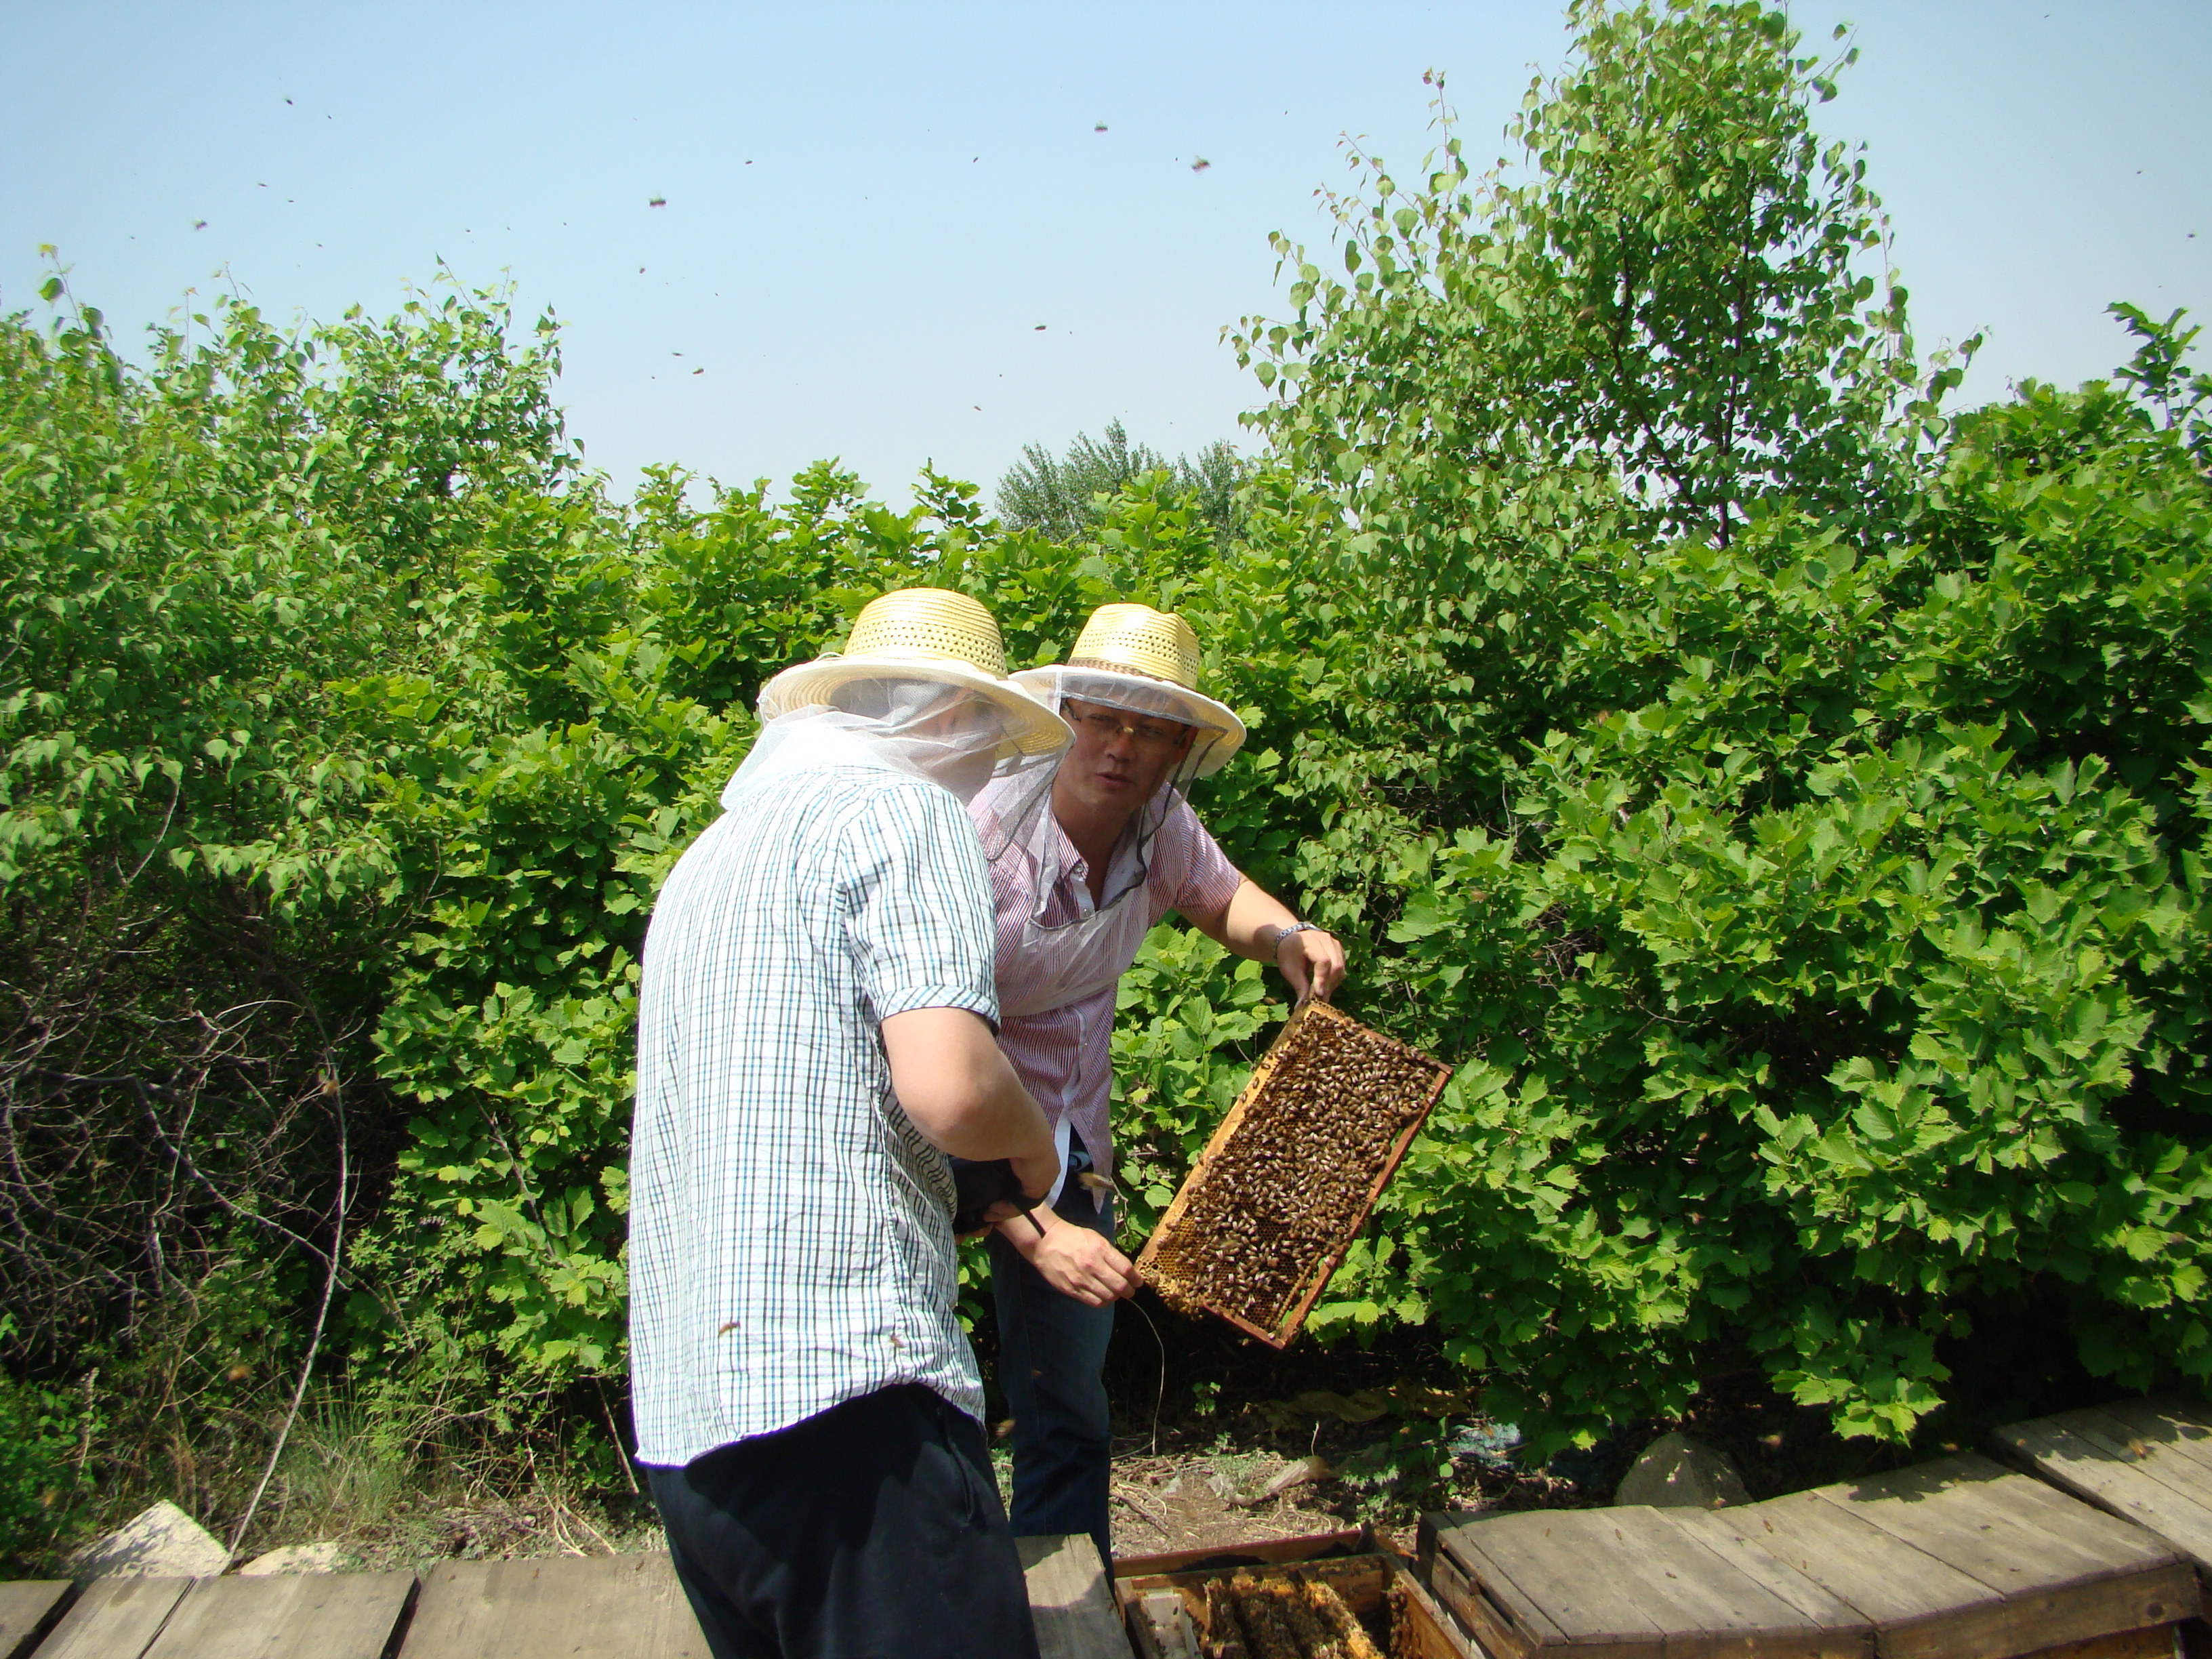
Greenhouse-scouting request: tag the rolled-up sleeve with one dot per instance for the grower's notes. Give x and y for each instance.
(917, 906)
(1196, 876)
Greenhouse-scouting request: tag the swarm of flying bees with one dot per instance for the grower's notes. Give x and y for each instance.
(1290, 1175)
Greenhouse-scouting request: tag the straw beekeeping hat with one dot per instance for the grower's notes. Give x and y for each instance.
(923, 633)
(1135, 657)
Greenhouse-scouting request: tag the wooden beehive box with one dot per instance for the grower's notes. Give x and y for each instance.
(1958, 1559)
(1171, 1616)
(2148, 1461)
(1286, 1182)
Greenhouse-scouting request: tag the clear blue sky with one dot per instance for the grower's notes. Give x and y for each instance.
(871, 207)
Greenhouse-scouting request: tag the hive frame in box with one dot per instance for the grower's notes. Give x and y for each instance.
(1367, 1574)
(1287, 1327)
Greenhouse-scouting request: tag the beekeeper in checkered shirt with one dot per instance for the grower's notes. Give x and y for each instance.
(1077, 888)
(815, 1034)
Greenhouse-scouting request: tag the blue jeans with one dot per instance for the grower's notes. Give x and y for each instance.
(1052, 1362)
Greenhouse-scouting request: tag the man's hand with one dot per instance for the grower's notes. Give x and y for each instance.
(1074, 1261)
(1313, 963)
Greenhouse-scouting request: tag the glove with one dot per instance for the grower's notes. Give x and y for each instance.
(978, 1185)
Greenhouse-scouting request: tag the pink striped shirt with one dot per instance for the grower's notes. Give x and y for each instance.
(1064, 1056)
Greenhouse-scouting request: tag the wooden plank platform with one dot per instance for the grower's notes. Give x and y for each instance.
(26, 1608)
(1632, 1582)
(607, 1606)
(1956, 1559)
(1073, 1605)
(114, 1618)
(2148, 1460)
(621, 1607)
(1974, 1560)
(315, 1615)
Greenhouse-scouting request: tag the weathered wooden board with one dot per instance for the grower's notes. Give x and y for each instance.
(2181, 1427)
(1842, 1628)
(2157, 1642)
(309, 1615)
(1432, 1633)
(1978, 1561)
(1895, 1585)
(1502, 1619)
(26, 1608)
(1073, 1605)
(1542, 1560)
(1633, 1581)
(115, 1619)
(1709, 1606)
(2148, 1462)
(609, 1607)
(1957, 1559)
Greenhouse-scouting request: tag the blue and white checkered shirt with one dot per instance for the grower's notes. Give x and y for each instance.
(791, 1245)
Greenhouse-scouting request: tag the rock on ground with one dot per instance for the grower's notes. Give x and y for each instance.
(324, 1557)
(1676, 1472)
(162, 1542)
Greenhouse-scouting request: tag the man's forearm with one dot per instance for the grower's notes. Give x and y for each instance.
(1256, 924)
(958, 1088)
(1251, 922)
(1000, 1121)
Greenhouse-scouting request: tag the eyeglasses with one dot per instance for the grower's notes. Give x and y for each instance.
(1151, 736)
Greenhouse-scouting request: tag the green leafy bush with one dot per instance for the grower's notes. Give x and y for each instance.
(37, 1438)
(39, 1475)
(200, 908)
(1788, 824)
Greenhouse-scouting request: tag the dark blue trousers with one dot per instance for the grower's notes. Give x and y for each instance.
(1052, 1362)
(870, 1531)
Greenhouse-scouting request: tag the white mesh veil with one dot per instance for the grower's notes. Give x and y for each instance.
(1013, 817)
(945, 734)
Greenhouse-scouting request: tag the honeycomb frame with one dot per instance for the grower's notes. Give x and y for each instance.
(1381, 1599)
(1211, 1213)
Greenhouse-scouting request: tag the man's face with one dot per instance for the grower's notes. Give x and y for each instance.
(1119, 760)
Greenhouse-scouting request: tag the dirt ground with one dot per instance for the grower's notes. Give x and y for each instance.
(1173, 1502)
(1318, 1462)
(1169, 1500)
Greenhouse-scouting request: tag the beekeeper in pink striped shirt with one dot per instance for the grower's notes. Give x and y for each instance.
(1080, 877)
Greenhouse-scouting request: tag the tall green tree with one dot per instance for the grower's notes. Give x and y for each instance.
(1063, 497)
(1678, 286)
(1670, 314)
